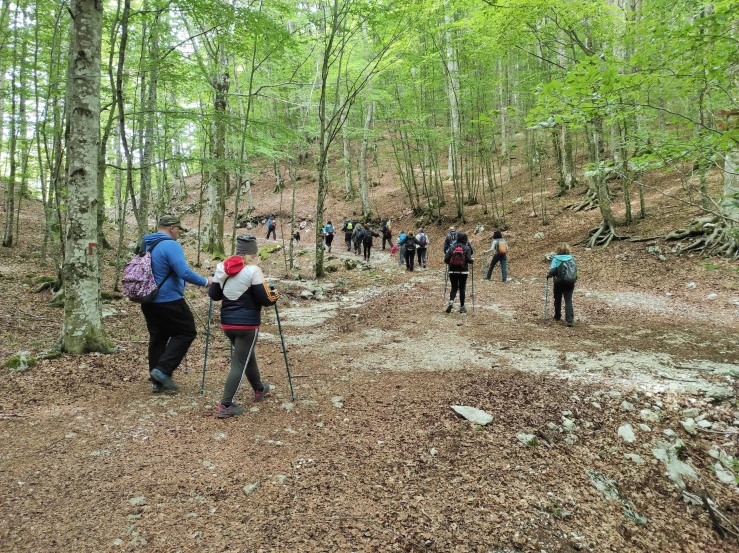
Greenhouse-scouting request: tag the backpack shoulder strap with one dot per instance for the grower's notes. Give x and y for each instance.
(151, 249)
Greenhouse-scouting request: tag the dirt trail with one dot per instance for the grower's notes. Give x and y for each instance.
(370, 457)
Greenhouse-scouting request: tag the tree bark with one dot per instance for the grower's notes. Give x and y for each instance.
(363, 184)
(82, 330)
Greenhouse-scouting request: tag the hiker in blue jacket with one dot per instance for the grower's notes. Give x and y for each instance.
(328, 235)
(168, 318)
(401, 247)
(562, 287)
(272, 227)
(450, 239)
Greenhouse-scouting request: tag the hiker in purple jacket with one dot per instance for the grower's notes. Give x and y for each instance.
(168, 318)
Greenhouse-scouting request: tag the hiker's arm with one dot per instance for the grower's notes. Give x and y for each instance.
(263, 294)
(176, 258)
(215, 291)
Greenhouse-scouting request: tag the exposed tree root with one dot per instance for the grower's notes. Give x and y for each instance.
(712, 235)
(601, 235)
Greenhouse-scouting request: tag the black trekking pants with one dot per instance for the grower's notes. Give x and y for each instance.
(348, 241)
(367, 248)
(410, 256)
(273, 232)
(171, 331)
(329, 240)
(459, 282)
(387, 237)
(243, 363)
(422, 256)
(566, 290)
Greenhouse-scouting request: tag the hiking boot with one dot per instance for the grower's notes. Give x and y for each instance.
(157, 388)
(570, 323)
(449, 307)
(166, 381)
(259, 396)
(230, 411)
(463, 309)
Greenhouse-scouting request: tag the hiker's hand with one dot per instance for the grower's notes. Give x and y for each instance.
(210, 281)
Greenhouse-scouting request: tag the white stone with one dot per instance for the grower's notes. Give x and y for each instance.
(649, 415)
(692, 412)
(638, 459)
(689, 426)
(626, 406)
(568, 424)
(705, 424)
(250, 488)
(626, 432)
(691, 285)
(473, 415)
(644, 428)
(527, 439)
(670, 433)
(433, 452)
(711, 296)
(139, 500)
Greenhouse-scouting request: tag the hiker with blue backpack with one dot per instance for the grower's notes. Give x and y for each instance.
(458, 259)
(169, 320)
(564, 271)
(423, 243)
(328, 235)
(450, 239)
(240, 285)
(401, 247)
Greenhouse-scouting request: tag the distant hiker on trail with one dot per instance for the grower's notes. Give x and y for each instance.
(168, 317)
(367, 236)
(409, 245)
(272, 227)
(450, 239)
(239, 283)
(500, 247)
(328, 235)
(296, 236)
(348, 229)
(357, 237)
(387, 233)
(423, 241)
(564, 271)
(401, 247)
(458, 258)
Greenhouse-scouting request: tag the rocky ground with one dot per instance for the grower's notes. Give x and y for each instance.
(619, 434)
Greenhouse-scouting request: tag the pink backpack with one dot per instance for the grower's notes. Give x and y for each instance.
(139, 285)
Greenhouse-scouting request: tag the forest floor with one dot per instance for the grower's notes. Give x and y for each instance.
(370, 456)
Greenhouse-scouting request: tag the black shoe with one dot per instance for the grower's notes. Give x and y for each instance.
(555, 318)
(449, 307)
(570, 323)
(463, 309)
(157, 388)
(166, 381)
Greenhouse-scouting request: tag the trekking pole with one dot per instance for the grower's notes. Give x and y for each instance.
(207, 343)
(446, 277)
(284, 350)
(187, 369)
(546, 301)
(473, 287)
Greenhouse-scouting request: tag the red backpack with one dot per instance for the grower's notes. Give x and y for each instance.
(458, 258)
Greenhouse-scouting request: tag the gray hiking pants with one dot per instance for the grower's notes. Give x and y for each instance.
(243, 363)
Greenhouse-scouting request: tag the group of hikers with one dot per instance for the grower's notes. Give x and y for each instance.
(157, 276)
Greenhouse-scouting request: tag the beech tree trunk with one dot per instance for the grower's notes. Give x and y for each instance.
(363, 184)
(82, 330)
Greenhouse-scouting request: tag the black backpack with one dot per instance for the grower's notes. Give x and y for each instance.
(410, 243)
(367, 237)
(567, 272)
(458, 258)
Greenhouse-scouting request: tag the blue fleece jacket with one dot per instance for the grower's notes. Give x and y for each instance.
(168, 256)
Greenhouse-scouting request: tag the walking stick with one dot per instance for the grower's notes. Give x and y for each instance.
(207, 343)
(187, 369)
(284, 350)
(446, 277)
(546, 302)
(473, 287)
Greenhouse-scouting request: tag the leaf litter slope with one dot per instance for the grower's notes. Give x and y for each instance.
(92, 461)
